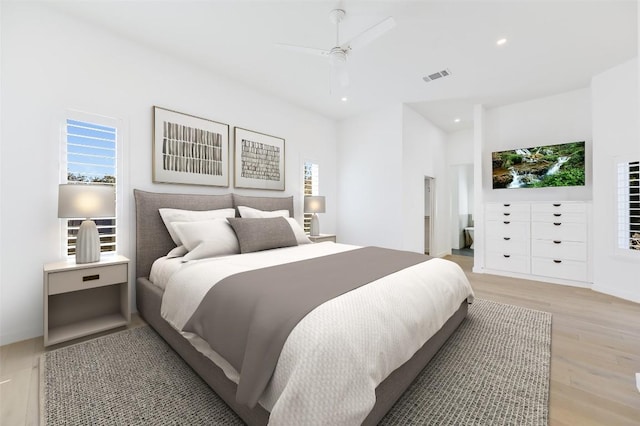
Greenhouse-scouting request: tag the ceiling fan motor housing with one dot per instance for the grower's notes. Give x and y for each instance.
(338, 54)
(337, 15)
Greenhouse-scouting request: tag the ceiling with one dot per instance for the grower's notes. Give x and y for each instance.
(552, 47)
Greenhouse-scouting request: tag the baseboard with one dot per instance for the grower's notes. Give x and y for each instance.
(617, 293)
(8, 338)
(442, 254)
(538, 278)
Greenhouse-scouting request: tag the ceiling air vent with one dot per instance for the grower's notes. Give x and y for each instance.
(444, 73)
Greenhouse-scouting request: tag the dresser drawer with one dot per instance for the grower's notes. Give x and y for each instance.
(79, 279)
(507, 262)
(559, 207)
(508, 245)
(556, 268)
(562, 231)
(575, 217)
(557, 249)
(508, 211)
(499, 229)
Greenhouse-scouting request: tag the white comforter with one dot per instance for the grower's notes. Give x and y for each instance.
(341, 351)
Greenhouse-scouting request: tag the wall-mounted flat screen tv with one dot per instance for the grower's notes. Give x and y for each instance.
(539, 166)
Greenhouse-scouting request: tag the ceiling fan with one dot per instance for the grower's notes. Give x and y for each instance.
(338, 54)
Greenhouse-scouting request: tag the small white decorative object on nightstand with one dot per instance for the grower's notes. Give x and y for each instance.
(83, 299)
(322, 237)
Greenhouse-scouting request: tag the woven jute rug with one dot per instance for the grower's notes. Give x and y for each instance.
(494, 370)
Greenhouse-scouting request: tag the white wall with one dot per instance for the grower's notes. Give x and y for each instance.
(383, 158)
(616, 135)
(562, 118)
(369, 155)
(460, 147)
(460, 160)
(424, 154)
(51, 63)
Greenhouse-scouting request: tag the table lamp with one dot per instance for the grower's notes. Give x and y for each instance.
(314, 204)
(81, 200)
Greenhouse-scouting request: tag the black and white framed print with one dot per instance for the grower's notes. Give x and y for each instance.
(259, 160)
(189, 149)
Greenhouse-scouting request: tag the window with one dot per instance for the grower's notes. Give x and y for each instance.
(311, 182)
(629, 205)
(90, 154)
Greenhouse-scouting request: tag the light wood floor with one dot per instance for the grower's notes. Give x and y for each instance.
(595, 350)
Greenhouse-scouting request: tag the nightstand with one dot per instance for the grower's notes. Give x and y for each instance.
(83, 299)
(322, 237)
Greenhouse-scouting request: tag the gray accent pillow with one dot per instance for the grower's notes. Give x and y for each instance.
(263, 233)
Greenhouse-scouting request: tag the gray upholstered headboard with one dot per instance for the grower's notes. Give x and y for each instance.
(153, 239)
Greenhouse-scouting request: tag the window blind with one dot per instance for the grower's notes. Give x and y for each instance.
(311, 187)
(91, 158)
(629, 205)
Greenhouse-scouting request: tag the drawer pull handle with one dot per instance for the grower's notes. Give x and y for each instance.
(506, 222)
(507, 255)
(557, 205)
(557, 223)
(90, 278)
(557, 261)
(556, 242)
(506, 214)
(506, 238)
(557, 214)
(506, 205)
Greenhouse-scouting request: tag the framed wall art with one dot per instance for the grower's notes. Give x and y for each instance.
(189, 149)
(259, 160)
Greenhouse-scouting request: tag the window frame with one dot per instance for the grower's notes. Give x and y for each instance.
(315, 190)
(623, 207)
(121, 202)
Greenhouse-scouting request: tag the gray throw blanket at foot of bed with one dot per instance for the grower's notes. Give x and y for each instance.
(247, 317)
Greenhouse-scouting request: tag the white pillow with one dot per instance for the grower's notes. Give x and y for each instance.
(169, 216)
(251, 213)
(207, 238)
(301, 237)
(177, 252)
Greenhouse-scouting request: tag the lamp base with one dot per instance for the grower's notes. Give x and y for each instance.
(88, 243)
(315, 226)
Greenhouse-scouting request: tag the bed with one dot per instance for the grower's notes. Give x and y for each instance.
(153, 242)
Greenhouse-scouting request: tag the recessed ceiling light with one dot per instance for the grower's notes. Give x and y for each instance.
(344, 99)
(501, 41)
(456, 120)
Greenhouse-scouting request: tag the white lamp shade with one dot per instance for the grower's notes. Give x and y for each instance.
(314, 204)
(78, 200)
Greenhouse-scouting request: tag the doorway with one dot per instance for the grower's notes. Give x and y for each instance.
(429, 216)
(462, 206)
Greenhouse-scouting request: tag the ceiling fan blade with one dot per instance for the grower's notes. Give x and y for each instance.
(370, 34)
(302, 49)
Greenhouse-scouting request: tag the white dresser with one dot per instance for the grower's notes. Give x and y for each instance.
(559, 240)
(544, 241)
(507, 236)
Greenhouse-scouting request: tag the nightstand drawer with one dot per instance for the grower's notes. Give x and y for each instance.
(80, 279)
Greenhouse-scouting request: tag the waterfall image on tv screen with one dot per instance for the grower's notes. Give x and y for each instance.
(540, 166)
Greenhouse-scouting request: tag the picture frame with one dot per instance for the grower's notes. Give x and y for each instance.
(259, 160)
(189, 149)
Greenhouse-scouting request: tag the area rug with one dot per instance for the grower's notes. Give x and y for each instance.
(494, 370)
